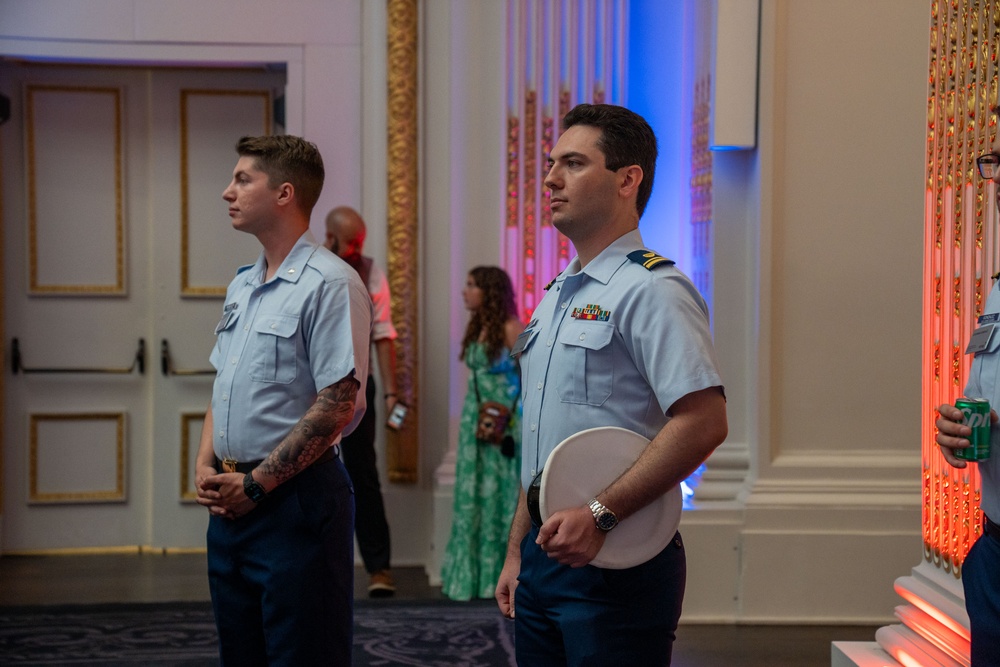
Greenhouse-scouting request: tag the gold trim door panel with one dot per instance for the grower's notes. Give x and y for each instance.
(115, 232)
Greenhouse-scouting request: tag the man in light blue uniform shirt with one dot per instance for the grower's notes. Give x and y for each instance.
(645, 344)
(621, 338)
(981, 569)
(291, 354)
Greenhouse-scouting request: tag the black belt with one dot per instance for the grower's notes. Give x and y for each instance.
(991, 529)
(533, 497)
(247, 466)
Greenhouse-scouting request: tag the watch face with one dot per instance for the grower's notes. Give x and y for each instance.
(253, 490)
(606, 520)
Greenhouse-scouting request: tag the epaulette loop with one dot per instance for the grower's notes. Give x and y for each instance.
(649, 259)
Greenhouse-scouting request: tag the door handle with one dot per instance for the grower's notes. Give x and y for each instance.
(139, 361)
(167, 364)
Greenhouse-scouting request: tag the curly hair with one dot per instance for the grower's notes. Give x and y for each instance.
(498, 306)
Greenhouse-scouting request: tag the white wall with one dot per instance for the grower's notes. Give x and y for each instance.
(462, 204)
(830, 211)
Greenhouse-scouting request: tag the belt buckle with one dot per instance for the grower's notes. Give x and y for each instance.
(228, 465)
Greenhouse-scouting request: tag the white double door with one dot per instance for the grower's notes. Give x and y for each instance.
(117, 249)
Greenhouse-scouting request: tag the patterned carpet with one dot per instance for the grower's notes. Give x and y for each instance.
(182, 634)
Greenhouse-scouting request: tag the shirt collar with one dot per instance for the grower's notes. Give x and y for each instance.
(292, 266)
(602, 267)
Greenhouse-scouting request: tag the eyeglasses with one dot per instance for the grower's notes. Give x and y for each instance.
(989, 165)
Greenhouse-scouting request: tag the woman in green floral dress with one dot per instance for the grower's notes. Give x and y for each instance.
(487, 478)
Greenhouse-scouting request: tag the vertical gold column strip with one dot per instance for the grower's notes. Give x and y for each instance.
(988, 94)
(513, 121)
(944, 388)
(964, 247)
(532, 73)
(973, 117)
(945, 254)
(566, 70)
(529, 239)
(402, 455)
(929, 335)
(953, 229)
(962, 250)
(511, 246)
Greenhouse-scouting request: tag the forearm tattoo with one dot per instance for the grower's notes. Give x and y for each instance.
(327, 417)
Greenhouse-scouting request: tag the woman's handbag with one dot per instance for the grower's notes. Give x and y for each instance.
(491, 425)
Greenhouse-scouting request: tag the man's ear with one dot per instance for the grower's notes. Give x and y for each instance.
(630, 177)
(286, 193)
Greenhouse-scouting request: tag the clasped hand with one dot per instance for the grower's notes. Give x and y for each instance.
(571, 537)
(222, 493)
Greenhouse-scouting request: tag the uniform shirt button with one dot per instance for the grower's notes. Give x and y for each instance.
(539, 385)
(582, 336)
(533, 427)
(549, 343)
(234, 361)
(564, 306)
(222, 434)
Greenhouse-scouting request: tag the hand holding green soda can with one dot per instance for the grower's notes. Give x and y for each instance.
(976, 413)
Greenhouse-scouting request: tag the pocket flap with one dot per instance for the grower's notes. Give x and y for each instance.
(994, 343)
(587, 334)
(227, 322)
(282, 326)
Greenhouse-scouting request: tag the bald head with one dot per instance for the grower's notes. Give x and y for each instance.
(345, 232)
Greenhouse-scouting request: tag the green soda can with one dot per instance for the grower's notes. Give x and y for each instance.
(977, 417)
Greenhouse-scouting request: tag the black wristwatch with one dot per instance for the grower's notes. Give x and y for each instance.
(603, 517)
(254, 491)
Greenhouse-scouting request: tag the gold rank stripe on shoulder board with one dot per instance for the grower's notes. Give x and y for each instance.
(648, 259)
(551, 283)
(996, 276)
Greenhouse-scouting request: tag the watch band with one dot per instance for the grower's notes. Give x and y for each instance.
(603, 517)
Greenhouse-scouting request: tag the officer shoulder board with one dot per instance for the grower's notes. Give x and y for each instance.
(649, 259)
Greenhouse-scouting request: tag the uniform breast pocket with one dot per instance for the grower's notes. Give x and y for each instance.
(223, 338)
(273, 349)
(521, 352)
(986, 367)
(585, 371)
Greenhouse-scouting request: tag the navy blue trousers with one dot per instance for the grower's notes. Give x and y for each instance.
(596, 617)
(282, 577)
(371, 527)
(981, 581)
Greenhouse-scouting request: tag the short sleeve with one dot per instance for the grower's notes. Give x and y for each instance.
(669, 337)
